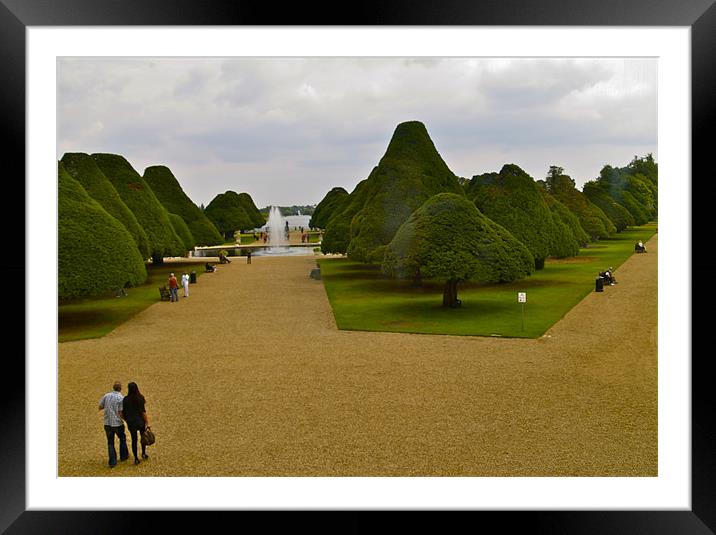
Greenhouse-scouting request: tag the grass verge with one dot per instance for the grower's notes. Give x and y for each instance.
(81, 319)
(365, 300)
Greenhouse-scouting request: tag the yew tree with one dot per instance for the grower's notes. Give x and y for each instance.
(448, 238)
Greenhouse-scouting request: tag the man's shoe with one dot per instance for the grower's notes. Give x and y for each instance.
(145, 456)
(112, 465)
(136, 461)
(122, 460)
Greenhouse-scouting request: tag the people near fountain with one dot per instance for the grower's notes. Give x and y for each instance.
(185, 283)
(265, 237)
(248, 256)
(223, 259)
(209, 268)
(173, 288)
(639, 247)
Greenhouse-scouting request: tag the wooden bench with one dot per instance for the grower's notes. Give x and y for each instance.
(164, 293)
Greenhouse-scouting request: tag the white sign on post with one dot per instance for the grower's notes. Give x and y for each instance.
(521, 297)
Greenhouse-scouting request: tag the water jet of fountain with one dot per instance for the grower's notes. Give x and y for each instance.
(275, 227)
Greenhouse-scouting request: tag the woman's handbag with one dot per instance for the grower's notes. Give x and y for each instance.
(148, 437)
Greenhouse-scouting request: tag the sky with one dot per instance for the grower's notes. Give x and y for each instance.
(287, 130)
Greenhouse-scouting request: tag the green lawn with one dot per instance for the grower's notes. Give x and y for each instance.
(363, 299)
(94, 317)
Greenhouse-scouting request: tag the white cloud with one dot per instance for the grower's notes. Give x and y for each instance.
(287, 130)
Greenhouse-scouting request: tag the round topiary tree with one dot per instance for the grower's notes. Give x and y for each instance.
(170, 193)
(448, 238)
(96, 253)
(228, 214)
(83, 168)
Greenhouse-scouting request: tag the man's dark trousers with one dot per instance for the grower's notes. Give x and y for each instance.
(123, 451)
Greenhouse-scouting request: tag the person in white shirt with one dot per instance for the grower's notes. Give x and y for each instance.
(185, 283)
(111, 403)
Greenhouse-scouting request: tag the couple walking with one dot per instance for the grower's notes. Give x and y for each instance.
(174, 286)
(118, 409)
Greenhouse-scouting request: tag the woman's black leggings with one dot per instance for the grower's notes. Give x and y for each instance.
(133, 432)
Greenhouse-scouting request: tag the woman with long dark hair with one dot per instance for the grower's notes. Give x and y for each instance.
(136, 418)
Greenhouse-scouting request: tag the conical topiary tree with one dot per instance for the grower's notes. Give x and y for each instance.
(620, 216)
(563, 216)
(170, 193)
(333, 202)
(96, 253)
(594, 222)
(228, 214)
(256, 217)
(410, 172)
(512, 199)
(139, 197)
(448, 238)
(83, 168)
(182, 230)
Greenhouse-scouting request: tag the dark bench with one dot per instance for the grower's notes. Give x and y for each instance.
(164, 293)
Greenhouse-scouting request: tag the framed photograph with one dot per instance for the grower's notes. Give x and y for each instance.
(53, 53)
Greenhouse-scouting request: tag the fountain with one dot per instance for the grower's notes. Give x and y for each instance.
(275, 226)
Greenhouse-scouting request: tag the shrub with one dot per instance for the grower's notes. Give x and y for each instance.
(139, 197)
(228, 214)
(620, 216)
(410, 172)
(83, 168)
(512, 199)
(170, 193)
(448, 238)
(333, 202)
(96, 253)
(594, 222)
(182, 230)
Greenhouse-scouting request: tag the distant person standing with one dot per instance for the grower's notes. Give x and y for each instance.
(173, 288)
(248, 256)
(112, 404)
(185, 283)
(136, 417)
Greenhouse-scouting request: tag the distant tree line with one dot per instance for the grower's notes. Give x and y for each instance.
(306, 209)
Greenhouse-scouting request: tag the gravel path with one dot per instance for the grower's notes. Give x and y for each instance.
(249, 376)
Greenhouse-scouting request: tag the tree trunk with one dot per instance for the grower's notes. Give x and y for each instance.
(417, 280)
(539, 263)
(450, 294)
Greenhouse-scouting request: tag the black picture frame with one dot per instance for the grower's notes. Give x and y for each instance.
(17, 15)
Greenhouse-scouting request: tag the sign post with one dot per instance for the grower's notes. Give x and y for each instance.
(522, 299)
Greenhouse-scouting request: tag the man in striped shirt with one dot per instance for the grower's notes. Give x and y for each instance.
(111, 403)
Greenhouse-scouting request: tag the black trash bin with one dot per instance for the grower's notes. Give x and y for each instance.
(192, 277)
(599, 284)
